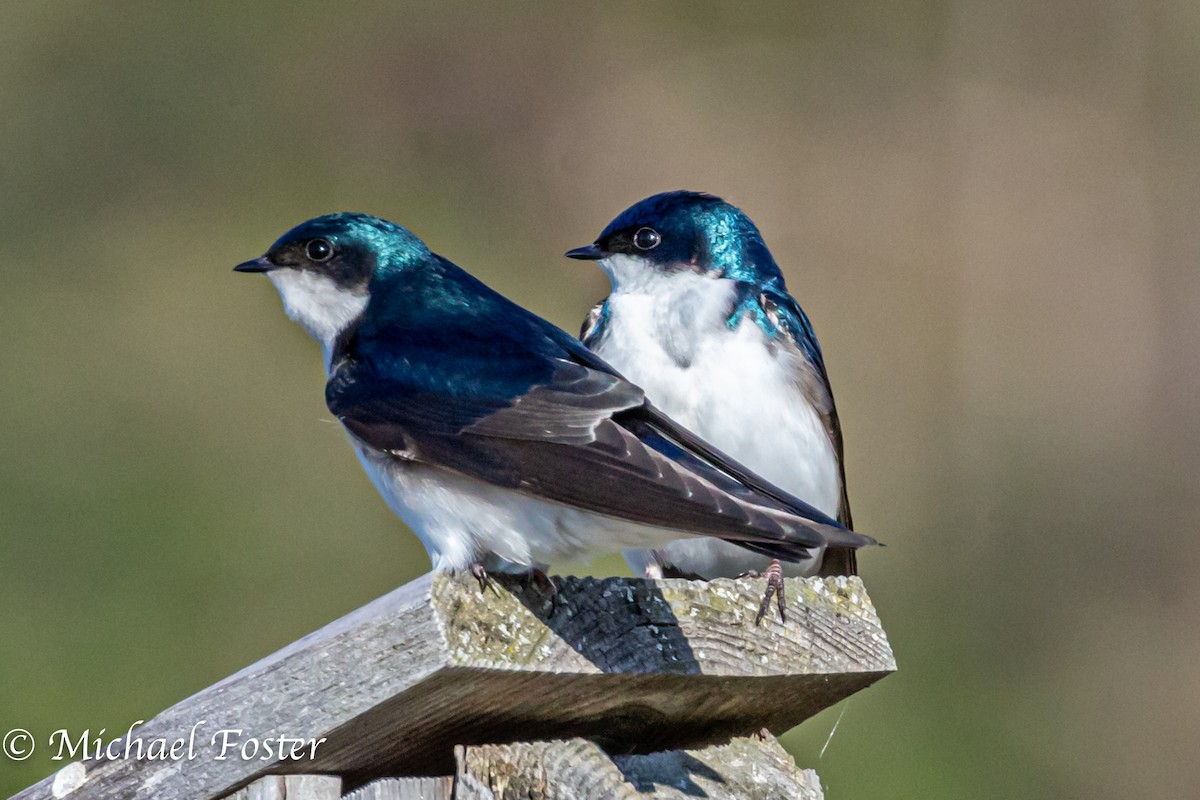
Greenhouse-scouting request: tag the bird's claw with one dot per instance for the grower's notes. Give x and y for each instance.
(485, 581)
(537, 577)
(775, 586)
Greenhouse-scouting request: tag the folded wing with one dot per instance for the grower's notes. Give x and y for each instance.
(567, 428)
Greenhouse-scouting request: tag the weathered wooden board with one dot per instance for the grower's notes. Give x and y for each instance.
(292, 787)
(405, 789)
(638, 665)
(747, 768)
(750, 768)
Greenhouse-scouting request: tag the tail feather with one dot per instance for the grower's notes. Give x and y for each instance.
(840, 542)
(839, 561)
(782, 551)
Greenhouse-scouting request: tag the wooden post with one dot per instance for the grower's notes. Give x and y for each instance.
(750, 768)
(406, 789)
(634, 666)
(292, 787)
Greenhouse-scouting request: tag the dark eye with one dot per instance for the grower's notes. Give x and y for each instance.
(646, 239)
(318, 249)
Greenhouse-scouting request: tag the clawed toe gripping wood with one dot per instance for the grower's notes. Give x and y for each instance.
(602, 688)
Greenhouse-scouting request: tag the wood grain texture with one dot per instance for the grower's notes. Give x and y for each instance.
(749, 768)
(638, 665)
(292, 787)
(405, 789)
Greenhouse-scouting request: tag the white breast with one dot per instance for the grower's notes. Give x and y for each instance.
(667, 333)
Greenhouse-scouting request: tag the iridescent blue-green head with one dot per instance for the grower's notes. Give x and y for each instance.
(681, 231)
(324, 268)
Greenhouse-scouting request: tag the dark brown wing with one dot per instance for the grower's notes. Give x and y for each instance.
(584, 437)
(783, 311)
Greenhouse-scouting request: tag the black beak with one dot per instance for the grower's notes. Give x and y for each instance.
(589, 253)
(260, 264)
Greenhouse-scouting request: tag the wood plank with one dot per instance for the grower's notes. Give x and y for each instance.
(405, 789)
(638, 665)
(749, 768)
(292, 787)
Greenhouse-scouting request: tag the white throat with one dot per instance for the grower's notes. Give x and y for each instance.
(317, 304)
(636, 275)
(679, 304)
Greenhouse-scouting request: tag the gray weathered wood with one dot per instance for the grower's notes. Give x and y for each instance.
(749, 768)
(638, 665)
(292, 787)
(405, 789)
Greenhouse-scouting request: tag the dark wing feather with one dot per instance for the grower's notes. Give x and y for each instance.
(741, 479)
(580, 435)
(729, 474)
(593, 325)
(565, 411)
(785, 313)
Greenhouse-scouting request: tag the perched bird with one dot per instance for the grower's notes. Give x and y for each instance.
(699, 317)
(501, 440)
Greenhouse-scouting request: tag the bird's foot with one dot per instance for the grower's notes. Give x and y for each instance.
(774, 576)
(538, 577)
(485, 581)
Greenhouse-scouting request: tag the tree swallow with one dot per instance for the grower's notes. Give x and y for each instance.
(501, 440)
(700, 318)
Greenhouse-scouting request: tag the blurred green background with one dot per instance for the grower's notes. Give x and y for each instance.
(990, 210)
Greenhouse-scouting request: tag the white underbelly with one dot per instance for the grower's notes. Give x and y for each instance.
(462, 521)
